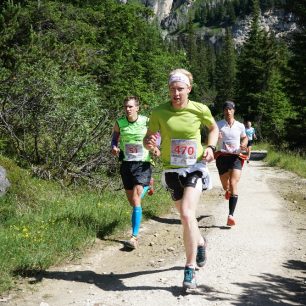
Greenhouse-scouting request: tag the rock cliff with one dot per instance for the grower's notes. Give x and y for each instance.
(172, 15)
(163, 8)
(278, 22)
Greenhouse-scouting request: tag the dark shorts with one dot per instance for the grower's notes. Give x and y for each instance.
(250, 143)
(176, 183)
(225, 163)
(135, 173)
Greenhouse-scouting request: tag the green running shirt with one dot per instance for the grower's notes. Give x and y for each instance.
(180, 132)
(131, 139)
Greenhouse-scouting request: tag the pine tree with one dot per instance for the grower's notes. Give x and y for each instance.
(231, 13)
(261, 94)
(297, 84)
(199, 69)
(191, 45)
(251, 67)
(203, 15)
(226, 71)
(274, 110)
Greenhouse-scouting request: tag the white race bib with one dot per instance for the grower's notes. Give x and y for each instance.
(183, 152)
(133, 152)
(230, 147)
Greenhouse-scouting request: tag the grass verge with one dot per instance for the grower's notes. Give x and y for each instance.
(288, 160)
(42, 223)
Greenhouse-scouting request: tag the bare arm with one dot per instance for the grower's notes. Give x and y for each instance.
(150, 143)
(244, 143)
(212, 141)
(115, 138)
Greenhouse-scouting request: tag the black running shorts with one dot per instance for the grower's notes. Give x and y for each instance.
(176, 183)
(250, 143)
(226, 163)
(135, 173)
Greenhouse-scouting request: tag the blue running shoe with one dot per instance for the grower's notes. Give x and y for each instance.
(201, 254)
(189, 278)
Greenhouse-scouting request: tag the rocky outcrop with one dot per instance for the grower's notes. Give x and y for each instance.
(163, 8)
(4, 182)
(177, 17)
(279, 22)
(172, 15)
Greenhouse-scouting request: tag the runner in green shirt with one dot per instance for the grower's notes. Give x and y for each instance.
(135, 168)
(185, 175)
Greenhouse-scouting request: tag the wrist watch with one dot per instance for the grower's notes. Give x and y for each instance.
(212, 147)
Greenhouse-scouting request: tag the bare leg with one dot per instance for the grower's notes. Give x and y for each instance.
(234, 177)
(249, 152)
(225, 180)
(191, 233)
(134, 196)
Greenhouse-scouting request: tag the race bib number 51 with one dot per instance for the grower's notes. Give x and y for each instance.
(183, 152)
(133, 152)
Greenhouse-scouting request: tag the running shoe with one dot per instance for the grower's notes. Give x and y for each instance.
(132, 243)
(189, 278)
(151, 187)
(227, 195)
(201, 254)
(230, 220)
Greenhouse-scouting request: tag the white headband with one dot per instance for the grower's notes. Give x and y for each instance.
(179, 77)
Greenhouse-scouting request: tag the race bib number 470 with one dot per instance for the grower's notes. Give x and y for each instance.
(183, 152)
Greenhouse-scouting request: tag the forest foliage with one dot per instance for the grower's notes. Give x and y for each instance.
(66, 66)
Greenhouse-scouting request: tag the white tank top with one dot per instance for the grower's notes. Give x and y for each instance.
(229, 136)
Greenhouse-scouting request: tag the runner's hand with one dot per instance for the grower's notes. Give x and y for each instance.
(156, 152)
(115, 151)
(244, 148)
(208, 155)
(150, 142)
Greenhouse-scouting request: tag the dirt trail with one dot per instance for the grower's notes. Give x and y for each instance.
(260, 261)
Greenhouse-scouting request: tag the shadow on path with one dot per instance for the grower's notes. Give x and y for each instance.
(114, 282)
(174, 221)
(275, 289)
(222, 227)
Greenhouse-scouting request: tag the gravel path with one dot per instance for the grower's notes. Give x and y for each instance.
(260, 261)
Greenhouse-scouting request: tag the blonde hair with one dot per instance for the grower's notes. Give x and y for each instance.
(183, 71)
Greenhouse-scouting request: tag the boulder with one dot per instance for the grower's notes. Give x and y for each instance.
(4, 182)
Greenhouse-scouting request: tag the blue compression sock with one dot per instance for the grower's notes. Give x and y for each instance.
(145, 190)
(136, 220)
